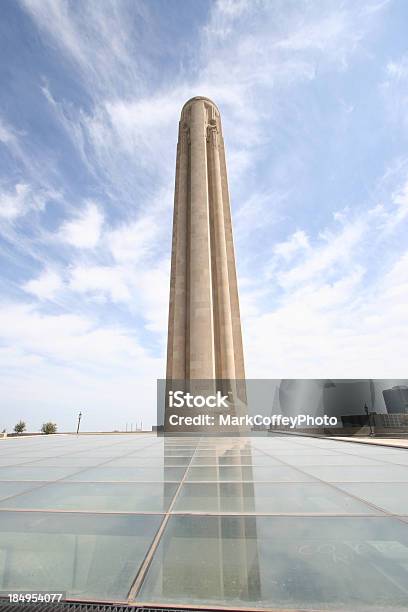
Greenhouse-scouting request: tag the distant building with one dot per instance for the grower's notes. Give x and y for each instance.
(348, 397)
(344, 399)
(396, 399)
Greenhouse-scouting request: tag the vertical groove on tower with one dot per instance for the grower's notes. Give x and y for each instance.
(232, 273)
(176, 355)
(201, 310)
(222, 287)
(215, 302)
(188, 250)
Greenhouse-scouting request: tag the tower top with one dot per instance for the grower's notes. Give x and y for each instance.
(197, 99)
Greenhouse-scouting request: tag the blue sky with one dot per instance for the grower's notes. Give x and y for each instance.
(314, 104)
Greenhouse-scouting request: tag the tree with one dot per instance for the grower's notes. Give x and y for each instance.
(49, 428)
(20, 427)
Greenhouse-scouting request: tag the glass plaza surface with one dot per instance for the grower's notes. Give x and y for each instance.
(278, 522)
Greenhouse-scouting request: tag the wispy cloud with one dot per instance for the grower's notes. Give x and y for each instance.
(394, 88)
(132, 243)
(46, 286)
(7, 135)
(101, 282)
(98, 40)
(333, 249)
(83, 231)
(298, 241)
(20, 199)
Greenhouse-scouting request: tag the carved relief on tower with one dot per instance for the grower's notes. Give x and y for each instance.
(184, 136)
(212, 132)
(213, 124)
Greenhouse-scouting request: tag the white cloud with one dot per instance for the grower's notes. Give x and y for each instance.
(333, 250)
(297, 242)
(102, 282)
(18, 201)
(144, 290)
(69, 339)
(153, 287)
(97, 38)
(137, 118)
(83, 231)
(133, 242)
(395, 92)
(14, 203)
(233, 8)
(7, 135)
(258, 211)
(391, 212)
(396, 282)
(400, 198)
(46, 286)
(128, 133)
(399, 69)
(335, 34)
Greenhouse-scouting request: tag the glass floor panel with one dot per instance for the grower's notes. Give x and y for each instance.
(7, 462)
(258, 497)
(97, 497)
(129, 474)
(299, 452)
(342, 460)
(273, 562)
(260, 460)
(31, 472)
(8, 489)
(230, 452)
(380, 473)
(392, 497)
(77, 461)
(246, 473)
(88, 556)
(132, 461)
(178, 453)
(400, 459)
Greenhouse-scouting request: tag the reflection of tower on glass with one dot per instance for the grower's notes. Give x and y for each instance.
(204, 336)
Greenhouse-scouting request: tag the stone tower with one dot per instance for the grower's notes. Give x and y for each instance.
(204, 334)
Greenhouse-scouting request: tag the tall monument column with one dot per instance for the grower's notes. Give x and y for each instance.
(204, 336)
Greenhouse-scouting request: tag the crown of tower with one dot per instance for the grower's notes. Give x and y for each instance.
(191, 101)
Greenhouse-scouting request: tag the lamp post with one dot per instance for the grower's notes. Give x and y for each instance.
(368, 413)
(79, 421)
